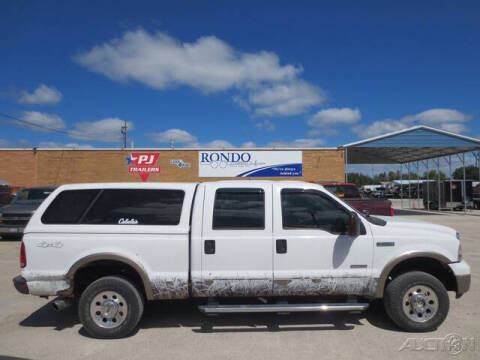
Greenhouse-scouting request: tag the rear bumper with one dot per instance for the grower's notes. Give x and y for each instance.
(461, 271)
(20, 284)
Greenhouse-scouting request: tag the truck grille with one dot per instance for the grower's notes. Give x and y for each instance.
(15, 219)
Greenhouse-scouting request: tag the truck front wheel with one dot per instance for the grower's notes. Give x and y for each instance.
(416, 301)
(110, 308)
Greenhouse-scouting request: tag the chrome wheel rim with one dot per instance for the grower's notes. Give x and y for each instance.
(108, 309)
(420, 303)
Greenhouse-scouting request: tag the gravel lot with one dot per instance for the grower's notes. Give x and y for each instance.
(30, 328)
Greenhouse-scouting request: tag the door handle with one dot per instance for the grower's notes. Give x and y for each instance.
(209, 246)
(281, 246)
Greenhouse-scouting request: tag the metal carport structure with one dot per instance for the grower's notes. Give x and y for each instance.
(415, 145)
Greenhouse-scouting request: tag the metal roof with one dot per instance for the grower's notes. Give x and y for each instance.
(412, 144)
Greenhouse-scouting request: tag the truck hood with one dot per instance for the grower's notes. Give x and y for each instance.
(19, 208)
(402, 224)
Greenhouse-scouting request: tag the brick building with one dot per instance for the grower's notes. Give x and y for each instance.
(37, 167)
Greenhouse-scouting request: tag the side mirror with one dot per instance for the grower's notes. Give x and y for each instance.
(353, 224)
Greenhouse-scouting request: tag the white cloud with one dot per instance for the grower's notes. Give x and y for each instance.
(298, 143)
(208, 64)
(188, 140)
(438, 116)
(285, 99)
(22, 143)
(42, 95)
(105, 130)
(316, 132)
(249, 144)
(178, 136)
(218, 144)
(241, 103)
(266, 125)
(53, 144)
(335, 116)
(446, 119)
(454, 128)
(185, 139)
(160, 61)
(379, 128)
(42, 122)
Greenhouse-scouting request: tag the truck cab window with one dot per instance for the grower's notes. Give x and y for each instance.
(312, 210)
(239, 209)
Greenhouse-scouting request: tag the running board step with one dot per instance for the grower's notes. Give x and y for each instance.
(217, 309)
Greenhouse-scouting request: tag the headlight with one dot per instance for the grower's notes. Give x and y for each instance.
(458, 234)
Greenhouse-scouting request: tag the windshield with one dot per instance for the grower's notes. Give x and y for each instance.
(343, 191)
(29, 196)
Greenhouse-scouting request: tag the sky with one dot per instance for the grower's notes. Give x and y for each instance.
(235, 73)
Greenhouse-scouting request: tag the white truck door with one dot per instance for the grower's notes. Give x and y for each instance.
(311, 255)
(237, 240)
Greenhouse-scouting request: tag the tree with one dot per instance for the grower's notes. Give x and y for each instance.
(359, 179)
(432, 174)
(395, 175)
(392, 175)
(471, 173)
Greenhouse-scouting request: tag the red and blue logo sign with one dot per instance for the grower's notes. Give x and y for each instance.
(143, 164)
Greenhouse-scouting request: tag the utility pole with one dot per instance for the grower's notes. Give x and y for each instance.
(124, 134)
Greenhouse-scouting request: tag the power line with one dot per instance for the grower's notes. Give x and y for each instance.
(28, 123)
(60, 131)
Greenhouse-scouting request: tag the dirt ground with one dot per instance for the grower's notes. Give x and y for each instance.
(31, 328)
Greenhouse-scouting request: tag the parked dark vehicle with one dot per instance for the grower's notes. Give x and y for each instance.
(350, 193)
(476, 196)
(5, 195)
(402, 191)
(430, 195)
(14, 217)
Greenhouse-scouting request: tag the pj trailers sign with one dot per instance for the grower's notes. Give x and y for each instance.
(249, 163)
(143, 164)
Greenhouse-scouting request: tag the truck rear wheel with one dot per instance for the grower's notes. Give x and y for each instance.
(110, 308)
(416, 301)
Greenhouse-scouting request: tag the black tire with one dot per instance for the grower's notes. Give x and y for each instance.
(397, 289)
(131, 295)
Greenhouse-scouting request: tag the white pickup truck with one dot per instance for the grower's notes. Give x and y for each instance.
(292, 245)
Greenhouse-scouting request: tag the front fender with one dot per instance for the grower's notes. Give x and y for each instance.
(390, 265)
